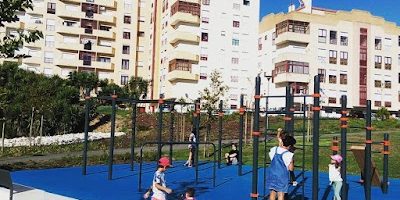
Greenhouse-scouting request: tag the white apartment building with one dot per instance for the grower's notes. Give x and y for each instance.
(199, 36)
(356, 54)
(107, 37)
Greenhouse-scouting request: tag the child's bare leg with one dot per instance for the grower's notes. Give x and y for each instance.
(281, 196)
(272, 195)
(190, 157)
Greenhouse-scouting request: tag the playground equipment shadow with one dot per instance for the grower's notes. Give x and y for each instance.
(70, 182)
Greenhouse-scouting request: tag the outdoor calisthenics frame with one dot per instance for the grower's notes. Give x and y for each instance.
(179, 143)
(289, 112)
(114, 98)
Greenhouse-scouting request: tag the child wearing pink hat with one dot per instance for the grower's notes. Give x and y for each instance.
(334, 175)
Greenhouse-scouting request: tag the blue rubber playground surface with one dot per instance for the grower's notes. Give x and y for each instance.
(95, 186)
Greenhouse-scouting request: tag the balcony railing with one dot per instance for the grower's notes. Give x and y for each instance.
(343, 61)
(333, 41)
(180, 65)
(378, 65)
(292, 26)
(291, 67)
(388, 66)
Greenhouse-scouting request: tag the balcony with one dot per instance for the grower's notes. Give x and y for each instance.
(332, 60)
(103, 49)
(33, 60)
(184, 18)
(16, 25)
(184, 55)
(109, 18)
(290, 53)
(36, 25)
(69, 46)
(103, 65)
(388, 66)
(106, 3)
(190, 1)
(75, 30)
(68, 62)
(104, 34)
(378, 65)
(291, 30)
(290, 71)
(182, 76)
(292, 37)
(36, 44)
(343, 61)
(184, 37)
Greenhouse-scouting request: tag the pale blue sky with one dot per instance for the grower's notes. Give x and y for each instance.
(388, 9)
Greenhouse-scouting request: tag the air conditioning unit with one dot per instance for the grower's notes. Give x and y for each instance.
(38, 21)
(102, 8)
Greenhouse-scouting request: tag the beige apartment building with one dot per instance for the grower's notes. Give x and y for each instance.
(107, 37)
(355, 53)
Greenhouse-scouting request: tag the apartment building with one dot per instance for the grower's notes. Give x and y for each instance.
(107, 37)
(355, 53)
(199, 36)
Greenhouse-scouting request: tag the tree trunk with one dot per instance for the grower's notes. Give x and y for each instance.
(31, 127)
(2, 137)
(41, 130)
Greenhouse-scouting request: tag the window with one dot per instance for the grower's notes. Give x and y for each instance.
(332, 57)
(343, 79)
(234, 79)
(343, 40)
(236, 6)
(126, 35)
(399, 41)
(48, 57)
(343, 57)
(141, 34)
(246, 2)
(388, 84)
(399, 77)
(124, 80)
(51, 8)
(125, 49)
(378, 44)
(388, 63)
(292, 26)
(104, 59)
(378, 62)
(332, 79)
(332, 37)
(332, 100)
(203, 57)
(388, 104)
(205, 2)
(125, 64)
(235, 61)
(50, 24)
(236, 24)
(388, 42)
(223, 33)
(128, 5)
(203, 76)
(204, 37)
(322, 74)
(378, 83)
(235, 42)
(127, 19)
(205, 20)
(322, 35)
(49, 41)
(377, 103)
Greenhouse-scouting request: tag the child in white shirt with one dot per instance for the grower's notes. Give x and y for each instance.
(334, 175)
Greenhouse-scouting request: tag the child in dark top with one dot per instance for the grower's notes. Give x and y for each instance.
(232, 156)
(280, 135)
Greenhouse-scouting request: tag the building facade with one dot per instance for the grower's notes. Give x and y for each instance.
(107, 37)
(200, 36)
(355, 53)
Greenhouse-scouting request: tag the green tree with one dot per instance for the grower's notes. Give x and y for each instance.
(137, 86)
(383, 113)
(213, 93)
(10, 43)
(83, 80)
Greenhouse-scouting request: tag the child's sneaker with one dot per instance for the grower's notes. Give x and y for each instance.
(294, 183)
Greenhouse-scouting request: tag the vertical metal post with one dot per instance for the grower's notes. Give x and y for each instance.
(316, 112)
(385, 163)
(160, 126)
(171, 131)
(287, 110)
(86, 136)
(343, 147)
(111, 152)
(305, 109)
(368, 142)
(335, 145)
(241, 130)
(197, 110)
(220, 117)
(265, 147)
(133, 135)
(256, 134)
